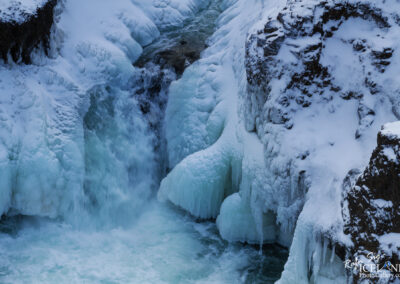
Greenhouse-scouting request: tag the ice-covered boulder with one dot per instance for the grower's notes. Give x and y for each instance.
(236, 222)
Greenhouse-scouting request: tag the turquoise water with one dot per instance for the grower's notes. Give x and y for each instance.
(162, 246)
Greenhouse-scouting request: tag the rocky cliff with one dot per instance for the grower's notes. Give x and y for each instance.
(321, 80)
(22, 29)
(371, 206)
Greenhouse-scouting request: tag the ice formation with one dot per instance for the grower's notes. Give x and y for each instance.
(268, 132)
(321, 82)
(206, 145)
(72, 138)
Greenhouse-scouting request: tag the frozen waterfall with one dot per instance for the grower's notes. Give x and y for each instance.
(85, 145)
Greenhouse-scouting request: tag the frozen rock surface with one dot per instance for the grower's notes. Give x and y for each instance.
(24, 26)
(18, 11)
(372, 203)
(321, 82)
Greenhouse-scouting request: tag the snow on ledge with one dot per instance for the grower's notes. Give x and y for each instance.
(391, 129)
(18, 10)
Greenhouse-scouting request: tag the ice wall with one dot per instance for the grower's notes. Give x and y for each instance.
(73, 139)
(209, 151)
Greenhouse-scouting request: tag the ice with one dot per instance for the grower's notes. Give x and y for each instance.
(198, 183)
(58, 158)
(237, 223)
(201, 181)
(18, 10)
(187, 113)
(204, 133)
(391, 129)
(310, 260)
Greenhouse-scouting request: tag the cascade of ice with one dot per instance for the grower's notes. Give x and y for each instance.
(212, 155)
(86, 146)
(85, 137)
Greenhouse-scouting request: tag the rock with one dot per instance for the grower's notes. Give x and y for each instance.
(310, 62)
(300, 33)
(372, 204)
(366, 117)
(20, 38)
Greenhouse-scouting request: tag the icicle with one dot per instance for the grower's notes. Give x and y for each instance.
(310, 253)
(333, 253)
(325, 247)
(317, 257)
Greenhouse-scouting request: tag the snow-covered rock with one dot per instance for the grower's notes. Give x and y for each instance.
(321, 82)
(18, 11)
(371, 207)
(24, 26)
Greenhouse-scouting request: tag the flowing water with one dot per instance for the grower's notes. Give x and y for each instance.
(163, 246)
(121, 234)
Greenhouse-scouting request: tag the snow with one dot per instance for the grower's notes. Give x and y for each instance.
(326, 132)
(380, 203)
(391, 130)
(390, 242)
(390, 154)
(18, 10)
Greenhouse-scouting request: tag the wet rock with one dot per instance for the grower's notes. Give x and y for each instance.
(178, 57)
(179, 47)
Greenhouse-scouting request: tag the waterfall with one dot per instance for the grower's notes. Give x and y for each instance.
(84, 145)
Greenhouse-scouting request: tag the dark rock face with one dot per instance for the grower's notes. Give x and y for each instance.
(371, 206)
(179, 47)
(19, 39)
(177, 57)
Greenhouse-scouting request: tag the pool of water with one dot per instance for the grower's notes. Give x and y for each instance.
(163, 246)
